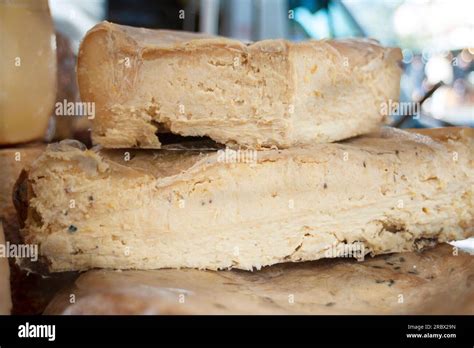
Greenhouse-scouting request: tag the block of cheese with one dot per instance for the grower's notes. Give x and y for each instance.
(269, 93)
(5, 296)
(27, 70)
(389, 192)
(438, 281)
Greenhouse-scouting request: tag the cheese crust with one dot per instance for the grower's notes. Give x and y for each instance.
(268, 93)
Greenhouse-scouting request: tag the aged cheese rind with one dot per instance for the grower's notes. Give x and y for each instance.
(391, 192)
(271, 92)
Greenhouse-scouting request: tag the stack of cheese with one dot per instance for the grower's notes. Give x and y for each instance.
(302, 192)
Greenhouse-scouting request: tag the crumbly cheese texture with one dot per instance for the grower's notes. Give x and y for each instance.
(268, 93)
(12, 162)
(389, 192)
(30, 292)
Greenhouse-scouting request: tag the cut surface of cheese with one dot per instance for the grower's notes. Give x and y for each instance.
(12, 162)
(30, 292)
(390, 192)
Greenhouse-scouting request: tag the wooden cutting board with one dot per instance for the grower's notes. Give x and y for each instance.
(437, 281)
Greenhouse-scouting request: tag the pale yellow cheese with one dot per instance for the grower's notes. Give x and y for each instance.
(389, 192)
(12, 162)
(269, 93)
(27, 70)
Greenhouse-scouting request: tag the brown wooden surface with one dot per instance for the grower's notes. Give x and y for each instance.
(434, 281)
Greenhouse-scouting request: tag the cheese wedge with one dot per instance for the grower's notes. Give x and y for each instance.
(390, 192)
(269, 93)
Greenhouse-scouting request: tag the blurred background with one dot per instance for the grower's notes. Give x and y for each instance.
(436, 36)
